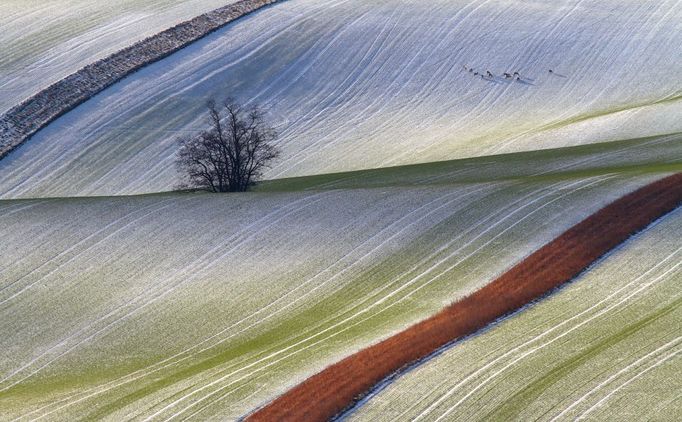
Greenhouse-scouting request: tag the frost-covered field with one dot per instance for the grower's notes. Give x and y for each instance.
(190, 305)
(43, 41)
(354, 84)
(607, 347)
(199, 305)
(646, 155)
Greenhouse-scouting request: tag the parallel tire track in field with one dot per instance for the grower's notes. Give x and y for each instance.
(355, 85)
(457, 234)
(329, 392)
(21, 122)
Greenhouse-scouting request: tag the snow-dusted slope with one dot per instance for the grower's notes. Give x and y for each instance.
(43, 41)
(354, 84)
(196, 304)
(608, 347)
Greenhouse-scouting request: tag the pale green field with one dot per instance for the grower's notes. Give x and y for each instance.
(184, 305)
(633, 156)
(43, 41)
(606, 347)
(179, 305)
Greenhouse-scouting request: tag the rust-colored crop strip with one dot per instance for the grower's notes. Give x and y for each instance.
(327, 393)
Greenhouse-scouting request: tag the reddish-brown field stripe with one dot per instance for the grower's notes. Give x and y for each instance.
(327, 393)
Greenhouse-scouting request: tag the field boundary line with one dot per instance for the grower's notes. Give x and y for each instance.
(339, 386)
(24, 120)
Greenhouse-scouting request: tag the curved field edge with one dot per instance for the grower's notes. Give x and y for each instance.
(283, 285)
(329, 392)
(44, 41)
(604, 347)
(346, 81)
(653, 154)
(23, 121)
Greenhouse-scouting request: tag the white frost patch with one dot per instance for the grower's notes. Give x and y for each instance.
(353, 84)
(43, 41)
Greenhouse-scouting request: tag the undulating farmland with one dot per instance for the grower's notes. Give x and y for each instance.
(635, 156)
(354, 84)
(257, 292)
(548, 268)
(647, 155)
(607, 347)
(43, 41)
(123, 300)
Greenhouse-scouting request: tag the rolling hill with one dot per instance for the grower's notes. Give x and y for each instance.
(43, 41)
(406, 182)
(606, 347)
(257, 291)
(354, 85)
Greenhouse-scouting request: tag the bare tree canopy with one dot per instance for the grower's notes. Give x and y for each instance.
(231, 155)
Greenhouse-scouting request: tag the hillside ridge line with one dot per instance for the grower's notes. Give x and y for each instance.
(337, 387)
(24, 120)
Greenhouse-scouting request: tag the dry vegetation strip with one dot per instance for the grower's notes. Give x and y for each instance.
(22, 121)
(327, 393)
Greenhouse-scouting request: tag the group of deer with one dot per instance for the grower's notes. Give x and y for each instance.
(513, 76)
(489, 74)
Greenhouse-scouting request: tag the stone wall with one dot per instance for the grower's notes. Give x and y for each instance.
(21, 122)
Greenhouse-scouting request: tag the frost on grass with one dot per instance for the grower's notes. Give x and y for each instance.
(162, 305)
(606, 347)
(28, 117)
(361, 84)
(45, 41)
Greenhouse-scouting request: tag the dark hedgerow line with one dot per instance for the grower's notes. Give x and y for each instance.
(337, 387)
(23, 121)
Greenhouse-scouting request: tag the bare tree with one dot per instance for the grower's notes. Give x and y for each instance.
(231, 155)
